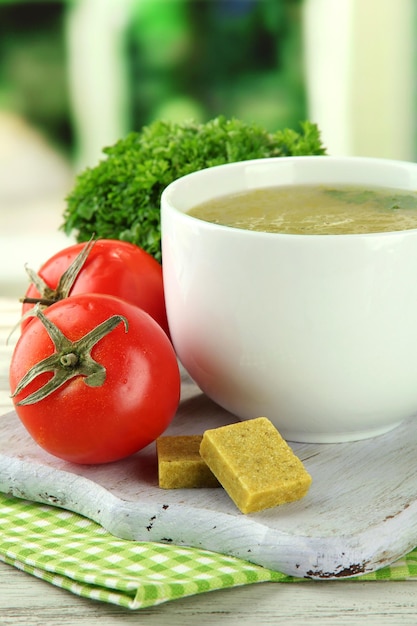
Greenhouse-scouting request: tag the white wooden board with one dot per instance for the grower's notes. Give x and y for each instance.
(359, 515)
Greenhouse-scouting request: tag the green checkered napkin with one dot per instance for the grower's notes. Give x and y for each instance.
(72, 552)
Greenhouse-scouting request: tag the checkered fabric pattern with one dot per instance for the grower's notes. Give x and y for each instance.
(72, 552)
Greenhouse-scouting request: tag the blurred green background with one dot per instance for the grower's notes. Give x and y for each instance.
(237, 57)
(175, 59)
(85, 72)
(33, 80)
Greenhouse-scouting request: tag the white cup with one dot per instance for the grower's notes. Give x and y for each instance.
(316, 332)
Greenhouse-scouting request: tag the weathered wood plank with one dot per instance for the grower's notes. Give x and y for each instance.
(359, 515)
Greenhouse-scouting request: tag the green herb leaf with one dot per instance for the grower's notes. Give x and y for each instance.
(380, 199)
(119, 198)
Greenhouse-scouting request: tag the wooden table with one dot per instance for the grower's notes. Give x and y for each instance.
(32, 602)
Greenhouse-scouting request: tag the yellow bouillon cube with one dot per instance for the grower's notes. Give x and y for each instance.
(254, 464)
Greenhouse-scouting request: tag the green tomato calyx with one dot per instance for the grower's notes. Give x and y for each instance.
(48, 295)
(70, 359)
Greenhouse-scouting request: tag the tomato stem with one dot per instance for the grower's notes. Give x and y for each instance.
(70, 359)
(48, 295)
(44, 301)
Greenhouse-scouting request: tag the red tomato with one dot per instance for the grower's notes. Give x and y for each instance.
(113, 267)
(130, 409)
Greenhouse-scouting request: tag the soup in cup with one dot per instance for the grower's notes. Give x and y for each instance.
(316, 330)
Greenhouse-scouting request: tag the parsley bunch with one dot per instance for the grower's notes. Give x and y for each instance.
(119, 198)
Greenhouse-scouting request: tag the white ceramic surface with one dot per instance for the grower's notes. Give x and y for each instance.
(318, 333)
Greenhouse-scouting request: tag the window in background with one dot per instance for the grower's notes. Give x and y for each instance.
(87, 71)
(33, 60)
(361, 63)
(200, 59)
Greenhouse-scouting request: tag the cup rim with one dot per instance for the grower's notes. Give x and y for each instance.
(172, 188)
